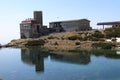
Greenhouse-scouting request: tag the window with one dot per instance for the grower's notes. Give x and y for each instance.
(38, 28)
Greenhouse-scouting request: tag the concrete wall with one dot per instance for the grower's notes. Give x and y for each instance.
(33, 28)
(38, 17)
(74, 25)
(25, 30)
(30, 30)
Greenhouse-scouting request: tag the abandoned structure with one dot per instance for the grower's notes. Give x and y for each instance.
(34, 57)
(33, 28)
(112, 24)
(72, 25)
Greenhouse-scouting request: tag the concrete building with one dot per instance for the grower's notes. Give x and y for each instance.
(33, 28)
(112, 24)
(71, 25)
(38, 17)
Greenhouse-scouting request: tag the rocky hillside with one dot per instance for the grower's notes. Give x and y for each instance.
(66, 41)
(58, 41)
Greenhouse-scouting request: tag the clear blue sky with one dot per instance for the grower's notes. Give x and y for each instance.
(12, 12)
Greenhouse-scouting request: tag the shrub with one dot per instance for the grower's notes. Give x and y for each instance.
(83, 39)
(114, 39)
(35, 43)
(62, 38)
(112, 32)
(51, 37)
(98, 34)
(103, 45)
(56, 43)
(73, 37)
(77, 43)
(94, 39)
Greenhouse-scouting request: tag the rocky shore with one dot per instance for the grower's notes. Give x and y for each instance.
(64, 42)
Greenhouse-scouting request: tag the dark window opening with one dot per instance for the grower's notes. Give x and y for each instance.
(38, 28)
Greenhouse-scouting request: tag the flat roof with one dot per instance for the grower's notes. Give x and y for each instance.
(70, 20)
(29, 20)
(109, 23)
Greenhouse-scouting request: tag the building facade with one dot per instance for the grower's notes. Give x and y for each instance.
(72, 25)
(33, 28)
(38, 17)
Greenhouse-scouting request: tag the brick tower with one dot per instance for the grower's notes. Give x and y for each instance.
(38, 17)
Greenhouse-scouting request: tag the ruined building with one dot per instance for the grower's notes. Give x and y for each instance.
(71, 25)
(33, 27)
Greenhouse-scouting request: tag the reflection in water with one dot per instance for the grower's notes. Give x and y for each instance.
(76, 58)
(106, 53)
(35, 57)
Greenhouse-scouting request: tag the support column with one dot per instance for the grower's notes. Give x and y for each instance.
(103, 27)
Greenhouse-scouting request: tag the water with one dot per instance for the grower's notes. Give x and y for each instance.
(33, 64)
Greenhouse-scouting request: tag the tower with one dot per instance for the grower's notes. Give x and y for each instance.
(38, 17)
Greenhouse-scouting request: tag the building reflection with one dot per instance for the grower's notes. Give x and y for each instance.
(75, 58)
(113, 55)
(34, 57)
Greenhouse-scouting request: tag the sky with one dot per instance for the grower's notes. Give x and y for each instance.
(12, 12)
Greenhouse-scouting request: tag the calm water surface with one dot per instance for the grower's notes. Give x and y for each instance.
(33, 64)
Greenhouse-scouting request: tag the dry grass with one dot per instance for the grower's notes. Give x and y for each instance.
(59, 41)
(63, 43)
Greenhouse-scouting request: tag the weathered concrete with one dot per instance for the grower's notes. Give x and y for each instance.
(33, 28)
(71, 25)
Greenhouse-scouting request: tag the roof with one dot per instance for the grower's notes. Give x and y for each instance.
(29, 20)
(71, 20)
(109, 23)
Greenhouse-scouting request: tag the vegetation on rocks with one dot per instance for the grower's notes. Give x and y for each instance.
(74, 37)
(51, 37)
(98, 34)
(112, 32)
(26, 42)
(103, 45)
(39, 42)
(77, 43)
(72, 40)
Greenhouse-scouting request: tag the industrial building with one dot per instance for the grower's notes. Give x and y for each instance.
(71, 25)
